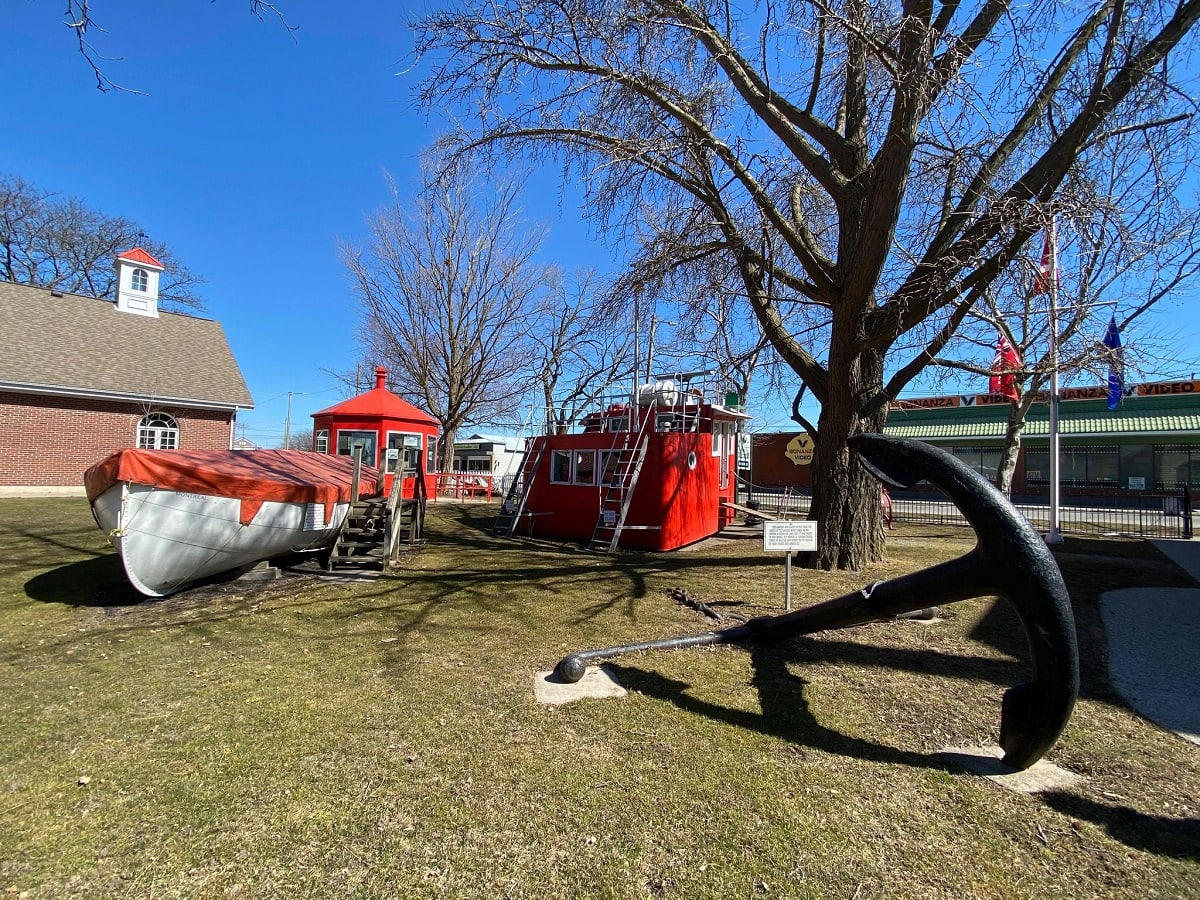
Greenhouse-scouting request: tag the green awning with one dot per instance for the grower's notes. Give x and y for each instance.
(1151, 418)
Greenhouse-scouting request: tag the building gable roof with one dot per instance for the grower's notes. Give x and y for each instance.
(72, 345)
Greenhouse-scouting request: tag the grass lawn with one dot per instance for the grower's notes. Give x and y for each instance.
(312, 739)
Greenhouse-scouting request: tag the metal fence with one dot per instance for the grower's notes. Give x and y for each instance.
(1146, 514)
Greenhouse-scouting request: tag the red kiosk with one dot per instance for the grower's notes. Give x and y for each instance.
(394, 434)
(657, 474)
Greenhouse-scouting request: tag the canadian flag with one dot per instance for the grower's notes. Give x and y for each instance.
(1006, 362)
(1046, 281)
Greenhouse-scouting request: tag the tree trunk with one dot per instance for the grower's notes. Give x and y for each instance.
(847, 498)
(447, 447)
(1010, 448)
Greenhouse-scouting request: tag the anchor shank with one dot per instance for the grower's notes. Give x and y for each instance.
(944, 583)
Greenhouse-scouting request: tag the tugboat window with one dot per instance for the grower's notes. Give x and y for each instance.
(585, 467)
(560, 467)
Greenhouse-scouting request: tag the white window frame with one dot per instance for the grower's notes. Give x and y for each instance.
(158, 431)
(409, 440)
(374, 435)
(556, 455)
(139, 280)
(577, 457)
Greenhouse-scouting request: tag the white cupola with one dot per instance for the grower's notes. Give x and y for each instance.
(137, 282)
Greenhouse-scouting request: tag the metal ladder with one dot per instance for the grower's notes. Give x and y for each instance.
(618, 493)
(513, 506)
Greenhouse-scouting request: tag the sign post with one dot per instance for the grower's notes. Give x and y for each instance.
(789, 537)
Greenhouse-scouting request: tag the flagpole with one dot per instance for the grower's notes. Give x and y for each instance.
(1054, 536)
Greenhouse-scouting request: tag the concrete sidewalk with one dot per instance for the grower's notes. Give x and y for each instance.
(1154, 645)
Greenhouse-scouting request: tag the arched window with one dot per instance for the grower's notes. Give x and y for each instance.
(139, 280)
(158, 431)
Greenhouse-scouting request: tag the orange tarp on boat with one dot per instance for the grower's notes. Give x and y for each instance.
(251, 476)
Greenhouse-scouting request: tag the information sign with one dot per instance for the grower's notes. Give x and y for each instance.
(789, 536)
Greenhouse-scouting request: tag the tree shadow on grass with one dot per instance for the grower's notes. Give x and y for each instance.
(1161, 835)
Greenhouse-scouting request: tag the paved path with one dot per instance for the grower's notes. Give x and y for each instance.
(1154, 645)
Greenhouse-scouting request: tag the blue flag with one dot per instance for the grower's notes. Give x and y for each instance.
(1112, 340)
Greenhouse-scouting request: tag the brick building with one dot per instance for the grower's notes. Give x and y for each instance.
(81, 377)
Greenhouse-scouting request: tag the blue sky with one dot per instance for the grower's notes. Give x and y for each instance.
(250, 154)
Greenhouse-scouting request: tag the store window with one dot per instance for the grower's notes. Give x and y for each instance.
(984, 460)
(1087, 466)
(1176, 466)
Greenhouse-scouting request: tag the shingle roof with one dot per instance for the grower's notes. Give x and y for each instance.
(70, 344)
(1149, 416)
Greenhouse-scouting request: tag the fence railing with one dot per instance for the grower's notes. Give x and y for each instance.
(1148, 514)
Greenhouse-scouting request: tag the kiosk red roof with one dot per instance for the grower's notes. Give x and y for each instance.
(379, 403)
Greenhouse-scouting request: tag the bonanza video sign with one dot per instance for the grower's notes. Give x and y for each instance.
(1152, 389)
(800, 449)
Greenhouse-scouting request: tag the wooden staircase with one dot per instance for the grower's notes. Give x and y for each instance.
(377, 527)
(361, 542)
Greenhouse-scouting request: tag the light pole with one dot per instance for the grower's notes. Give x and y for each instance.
(1054, 536)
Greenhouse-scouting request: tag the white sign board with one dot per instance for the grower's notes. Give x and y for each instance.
(789, 536)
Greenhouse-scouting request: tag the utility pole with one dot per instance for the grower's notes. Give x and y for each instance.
(287, 422)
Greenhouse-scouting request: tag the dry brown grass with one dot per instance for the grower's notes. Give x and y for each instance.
(377, 740)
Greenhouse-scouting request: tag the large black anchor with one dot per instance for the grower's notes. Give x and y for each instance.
(1010, 560)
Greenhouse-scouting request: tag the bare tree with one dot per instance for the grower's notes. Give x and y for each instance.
(447, 285)
(1123, 251)
(879, 164)
(59, 242)
(301, 439)
(715, 329)
(79, 19)
(582, 348)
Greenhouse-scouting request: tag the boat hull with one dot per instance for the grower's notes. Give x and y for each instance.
(176, 517)
(168, 540)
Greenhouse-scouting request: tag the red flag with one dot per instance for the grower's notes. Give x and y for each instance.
(1047, 276)
(1006, 362)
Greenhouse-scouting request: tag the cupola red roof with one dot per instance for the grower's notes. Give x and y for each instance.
(138, 255)
(379, 402)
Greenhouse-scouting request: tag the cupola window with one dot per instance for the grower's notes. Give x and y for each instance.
(139, 280)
